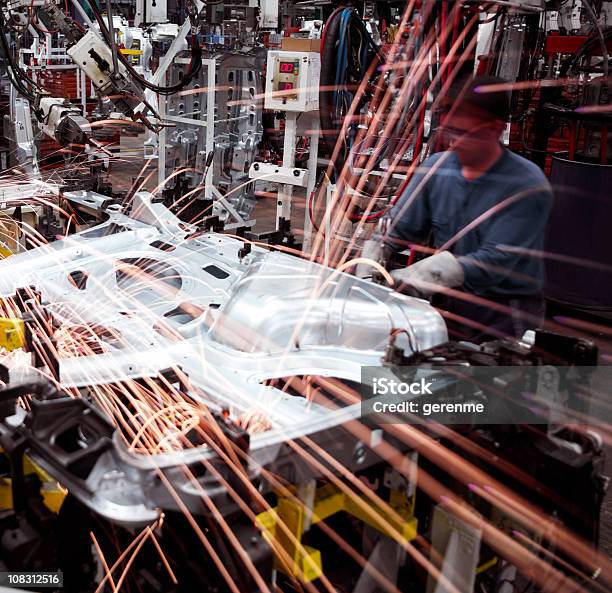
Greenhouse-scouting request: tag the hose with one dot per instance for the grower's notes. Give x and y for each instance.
(587, 47)
(328, 78)
(18, 78)
(345, 48)
(194, 67)
(82, 13)
(599, 32)
(114, 49)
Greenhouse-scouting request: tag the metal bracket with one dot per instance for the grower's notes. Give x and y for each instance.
(287, 175)
(304, 562)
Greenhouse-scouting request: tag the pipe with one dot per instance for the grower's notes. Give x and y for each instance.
(113, 41)
(82, 13)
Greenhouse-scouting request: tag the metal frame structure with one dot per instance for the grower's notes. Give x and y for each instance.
(249, 325)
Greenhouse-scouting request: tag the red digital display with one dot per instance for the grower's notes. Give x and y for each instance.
(286, 67)
(286, 86)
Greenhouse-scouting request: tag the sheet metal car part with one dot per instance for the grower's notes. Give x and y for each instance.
(258, 317)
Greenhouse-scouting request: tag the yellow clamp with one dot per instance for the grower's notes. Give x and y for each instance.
(303, 562)
(5, 252)
(53, 494)
(12, 333)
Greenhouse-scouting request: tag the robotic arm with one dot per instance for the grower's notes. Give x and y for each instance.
(95, 58)
(111, 74)
(64, 122)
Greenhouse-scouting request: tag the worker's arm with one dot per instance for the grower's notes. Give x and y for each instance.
(517, 225)
(408, 221)
(410, 217)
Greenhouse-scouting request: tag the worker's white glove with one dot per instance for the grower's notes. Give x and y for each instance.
(372, 249)
(441, 270)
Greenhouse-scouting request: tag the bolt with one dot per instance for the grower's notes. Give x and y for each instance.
(359, 453)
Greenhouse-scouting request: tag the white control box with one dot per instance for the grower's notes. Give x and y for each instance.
(292, 81)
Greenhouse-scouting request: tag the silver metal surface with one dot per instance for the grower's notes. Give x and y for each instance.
(18, 129)
(175, 300)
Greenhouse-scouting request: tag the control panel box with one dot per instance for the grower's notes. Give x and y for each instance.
(292, 81)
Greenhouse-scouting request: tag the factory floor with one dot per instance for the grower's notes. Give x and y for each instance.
(574, 323)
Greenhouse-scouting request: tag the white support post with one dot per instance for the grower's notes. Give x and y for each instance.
(285, 193)
(139, 15)
(329, 201)
(177, 45)
(161, 143)
(312, 174)
(211, 66)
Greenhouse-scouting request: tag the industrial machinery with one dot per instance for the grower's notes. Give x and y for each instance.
(257, 389)
(217, 481)
(190, 373)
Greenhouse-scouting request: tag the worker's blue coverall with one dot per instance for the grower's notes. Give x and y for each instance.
(494, 225)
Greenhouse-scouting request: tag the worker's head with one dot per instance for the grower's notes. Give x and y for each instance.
(478, 109)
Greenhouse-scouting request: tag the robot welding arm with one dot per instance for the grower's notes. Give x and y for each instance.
(92, 54)
(63, 122)
(58, 118)
(95, 58)
(110, 72)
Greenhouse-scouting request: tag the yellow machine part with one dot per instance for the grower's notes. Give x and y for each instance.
(12, 333)
(487, 565)
(53, 494)
(10, 232)
(12, 336)
(304, 562)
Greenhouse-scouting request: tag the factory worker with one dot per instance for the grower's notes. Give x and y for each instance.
(483, 210)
